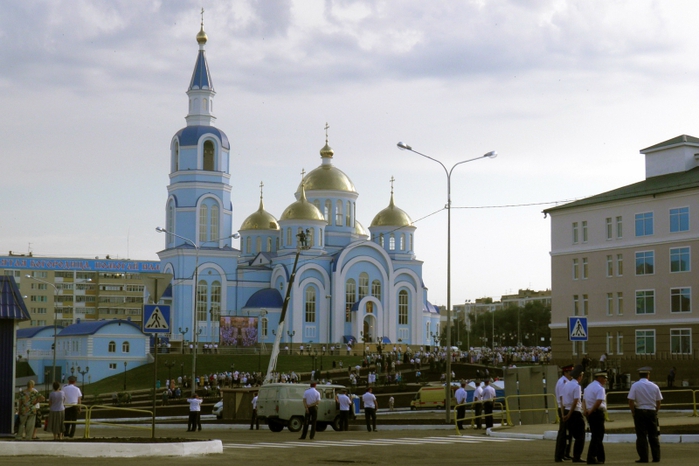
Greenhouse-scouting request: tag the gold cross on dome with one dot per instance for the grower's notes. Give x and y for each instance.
(392, 180)
(326, 132)
(262, 185)
(202, 16)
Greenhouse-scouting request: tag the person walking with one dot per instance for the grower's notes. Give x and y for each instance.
(563, 438)
(644, 402)
(194, 413)
(255, 420)
(671, 377)
(369, 409)
(460, 397)
(488, 398)
(594, 407)
(73, 399)
(572, 396)
(311, 400)
(28, 410)
(57, 411)
(345, 404)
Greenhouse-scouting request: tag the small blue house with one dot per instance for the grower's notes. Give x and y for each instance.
(107, 347)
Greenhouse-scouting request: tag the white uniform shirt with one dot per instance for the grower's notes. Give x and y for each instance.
(559, 389)
(593, 393)
(478, 394)
(73, 394)
(571, 392)
(460, 396)
(194, 404)
(369, 400)
(312, 397)
(488, 393)
(254, 402)
(645, 394)
(344, 402)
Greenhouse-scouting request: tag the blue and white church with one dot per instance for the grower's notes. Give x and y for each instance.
(351, 284)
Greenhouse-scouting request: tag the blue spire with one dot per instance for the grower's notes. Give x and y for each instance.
(201, 78)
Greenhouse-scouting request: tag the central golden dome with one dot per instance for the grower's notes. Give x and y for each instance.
(327, 177)
(392, 216)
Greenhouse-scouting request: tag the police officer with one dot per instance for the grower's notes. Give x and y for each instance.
(594, 406)
(572, 397)
(488, 398)
(478, 405)
(563, 438)
(644, 402)
(311, 400)
(460, 397)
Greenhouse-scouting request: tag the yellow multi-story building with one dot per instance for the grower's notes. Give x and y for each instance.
(68, 289)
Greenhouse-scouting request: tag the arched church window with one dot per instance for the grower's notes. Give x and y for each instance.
(402, 241)
(176, 157)
(269, 244)
(411, 242)
(320, 238)
(402, 307)
(205, 104)
(327, 212)
(277, 242)
(363, 285)
(309, 237)
(170, 220)
(203, 221)
(376, 289)
(258, 244)
(350, 298)
(209, 156)
(370, 307)
(213, 223)
(125, 347)
(338, 213)
(392, 242)
(348, 214)
(202, 292)
(381, 240)
(248, 245)
(264, 326)
(288, 236)
(310, 304)
(215, 306)
(111, 347)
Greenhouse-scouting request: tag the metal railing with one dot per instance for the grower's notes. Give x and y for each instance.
(471, 407)
(551, 406)
(89, 422)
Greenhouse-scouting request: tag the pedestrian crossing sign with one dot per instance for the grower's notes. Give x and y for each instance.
(156, 318)
(577, 328)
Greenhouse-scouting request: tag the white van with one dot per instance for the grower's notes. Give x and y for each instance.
(281, 404)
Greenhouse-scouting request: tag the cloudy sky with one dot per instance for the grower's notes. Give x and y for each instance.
(567, 92)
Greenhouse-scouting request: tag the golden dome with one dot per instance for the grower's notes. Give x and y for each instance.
(302, 210)
(392, 216)
(202, 37)
(260, 220)
(327, 177)
(359, 229)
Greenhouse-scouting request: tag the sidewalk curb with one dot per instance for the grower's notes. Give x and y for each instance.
(608, 438)
(109, 450)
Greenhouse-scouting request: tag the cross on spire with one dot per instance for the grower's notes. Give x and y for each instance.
(202, 17)
(327, 126)
(392, 180)
(262, 185)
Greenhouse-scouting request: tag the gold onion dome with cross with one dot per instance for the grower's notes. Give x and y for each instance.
(392, 216)
(302, 209)
(260, 220)
(327, 177)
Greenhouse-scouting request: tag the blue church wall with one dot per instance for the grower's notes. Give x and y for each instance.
(404, 276)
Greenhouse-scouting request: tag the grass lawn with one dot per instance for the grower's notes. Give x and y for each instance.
(141, 377)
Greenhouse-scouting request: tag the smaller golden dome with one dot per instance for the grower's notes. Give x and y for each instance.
(392, 216)
(202, 37)
(359, 229)
(326, 151)
(260, 220)
(302, 210)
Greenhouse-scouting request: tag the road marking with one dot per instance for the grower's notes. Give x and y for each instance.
(452, 439)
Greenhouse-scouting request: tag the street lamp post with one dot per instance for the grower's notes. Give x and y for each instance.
(82, 372)
(183, 332)
(124, 375)
(194, 304)
(489, 155)
(55, 323)
(169, 365)
(291, 340)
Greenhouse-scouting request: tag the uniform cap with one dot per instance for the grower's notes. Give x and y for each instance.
(645, 370)
(600, 374)
(567, 368)
(577, 371)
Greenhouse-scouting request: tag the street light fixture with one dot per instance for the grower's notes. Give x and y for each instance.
(124, 375)
(55, 322)
(488, 155)
(82, 372)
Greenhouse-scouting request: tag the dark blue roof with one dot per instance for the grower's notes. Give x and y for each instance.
(349, 338)
(269, 297)
(432, 308)
(190, 135)
(91, 327)
(201, 77)
(385, 340)
(32, 331)
(11, 303)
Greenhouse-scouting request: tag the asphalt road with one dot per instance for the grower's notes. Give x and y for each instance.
(386, 447)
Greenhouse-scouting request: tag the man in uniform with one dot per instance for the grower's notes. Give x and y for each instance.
(345, 404)
(369, 409)
(563, 437)
(594, 406)
(311, 400)
(478, 405)
(644, 401)
(572, 408)
(488, 398)
(254, 421)
(460, 397)
(73, 397)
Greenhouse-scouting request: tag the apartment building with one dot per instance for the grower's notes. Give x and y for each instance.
(68, 289)
(627, 259)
